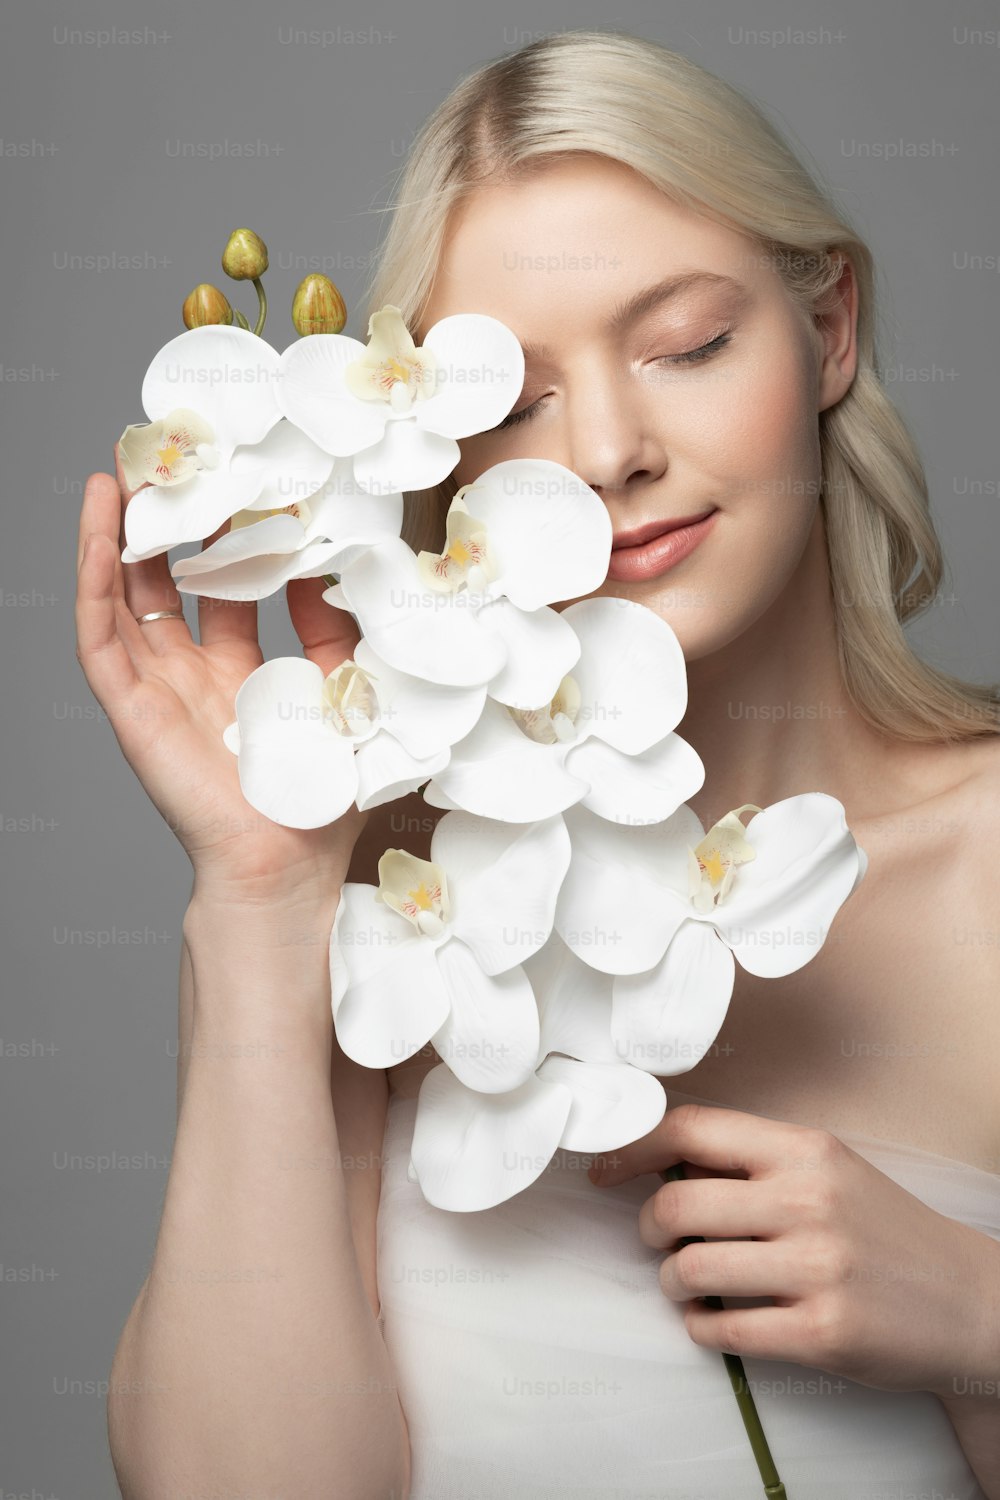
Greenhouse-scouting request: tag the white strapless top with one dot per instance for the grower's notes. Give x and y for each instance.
(538, 1359)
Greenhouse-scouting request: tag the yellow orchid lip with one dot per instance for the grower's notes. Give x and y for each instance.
(712, 864)
(392, 369)
(555, 722)
(350, 699)
(167, 451)
(466, 558)
(416, 888)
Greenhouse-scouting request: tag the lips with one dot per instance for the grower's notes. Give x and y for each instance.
(643, 534)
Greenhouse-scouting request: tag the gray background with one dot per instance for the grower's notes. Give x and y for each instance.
(92, 165)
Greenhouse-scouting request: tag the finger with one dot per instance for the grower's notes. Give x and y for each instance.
(226, 621)
(101, 611)
(752, 1332)
(723, 1139)
(716, 1207)
(148, 584)
(101, 619)
(328, 635)
(732, 1268)
(100, 511)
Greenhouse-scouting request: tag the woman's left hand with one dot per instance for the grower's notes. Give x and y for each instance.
(867, 1281)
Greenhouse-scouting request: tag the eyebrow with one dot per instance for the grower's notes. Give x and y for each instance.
(627, 312)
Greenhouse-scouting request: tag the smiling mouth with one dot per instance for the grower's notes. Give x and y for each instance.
(643, 534)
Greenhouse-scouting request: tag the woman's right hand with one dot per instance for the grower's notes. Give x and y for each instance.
(169, 698)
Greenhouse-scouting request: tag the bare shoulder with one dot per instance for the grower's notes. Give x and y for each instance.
(934, 844)
(940, 794)
(966, 808)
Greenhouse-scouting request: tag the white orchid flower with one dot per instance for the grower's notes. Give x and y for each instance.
(605, 739)
(310, 519)
(309, 745)
(210, 395)
(396, 410)
(472, 1150)
(526, 534)
(669, 910)
(435, 952)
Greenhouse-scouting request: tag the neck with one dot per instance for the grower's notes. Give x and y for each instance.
(769, 713)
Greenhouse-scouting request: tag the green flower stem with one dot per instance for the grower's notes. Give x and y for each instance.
(240, 320)
(330, 579)
(262, 299)
(773, 1487)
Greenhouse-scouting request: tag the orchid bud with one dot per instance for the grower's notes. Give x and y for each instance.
(317, 306)
(205, 305)
(245, 256)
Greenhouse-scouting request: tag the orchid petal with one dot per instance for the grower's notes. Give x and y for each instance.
(647, 787)
(157, 519)
(472, 1150)
(480, 372)
(250, 568)
(434, 797)
(620, 902)
(665, 1019)
(387, 771)
(550, 534)
(312, 394)
(293, 765)
(423, 716)
(353, 519)
(574, 1004)
(613, 1104)
(504, 879)
(294, 466)
(498, 772)
(631, 673)
(489, 1038)
(435, 636)
(540, 649)
(228, 375)
(805, 865)
(406, 457)
(387, 995)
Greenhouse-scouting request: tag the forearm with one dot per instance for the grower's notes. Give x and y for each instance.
(972, 1395)
(977, 1426)
(252, 1362)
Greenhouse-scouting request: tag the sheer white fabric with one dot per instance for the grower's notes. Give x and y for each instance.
(537, 1356)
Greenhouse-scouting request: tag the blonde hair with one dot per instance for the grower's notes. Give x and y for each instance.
(712, 150)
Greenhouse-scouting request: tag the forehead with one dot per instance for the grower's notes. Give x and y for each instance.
(576, 238)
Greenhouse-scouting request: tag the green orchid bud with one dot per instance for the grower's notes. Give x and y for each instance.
(205, 305)
(245, 256)
(317, 306)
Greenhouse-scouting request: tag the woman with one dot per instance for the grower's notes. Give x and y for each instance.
(698, 329)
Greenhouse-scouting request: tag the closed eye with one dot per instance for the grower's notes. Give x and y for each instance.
(689, 356)
(703, 352)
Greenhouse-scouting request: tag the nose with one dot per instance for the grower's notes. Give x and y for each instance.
(610, 440)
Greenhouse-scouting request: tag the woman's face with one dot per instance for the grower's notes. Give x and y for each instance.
(661, 433)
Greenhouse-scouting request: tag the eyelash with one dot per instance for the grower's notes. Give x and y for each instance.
(690, 356)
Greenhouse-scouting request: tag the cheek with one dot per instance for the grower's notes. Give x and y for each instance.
(758, 455)
(762, 445)
(758, 430)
